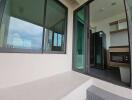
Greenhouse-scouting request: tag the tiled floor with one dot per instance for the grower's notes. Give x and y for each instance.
(110, 75)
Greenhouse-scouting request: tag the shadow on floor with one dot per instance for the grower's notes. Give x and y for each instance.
(110, 75)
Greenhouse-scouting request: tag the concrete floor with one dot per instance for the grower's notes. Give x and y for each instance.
(66, 86)
(52, 88)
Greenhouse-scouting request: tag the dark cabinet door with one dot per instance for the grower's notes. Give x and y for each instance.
(99, 49)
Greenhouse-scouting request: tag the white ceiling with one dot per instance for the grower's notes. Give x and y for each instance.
(74, 3)
(101, 9)
(130, 5)
(69, 3)
(97, 6)
(81, 1)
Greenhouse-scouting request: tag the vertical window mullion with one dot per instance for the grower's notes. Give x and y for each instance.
(2, 7)
(44, 23)
(57, 39)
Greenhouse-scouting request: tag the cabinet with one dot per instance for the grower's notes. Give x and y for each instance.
(119, 33)
(118, 26)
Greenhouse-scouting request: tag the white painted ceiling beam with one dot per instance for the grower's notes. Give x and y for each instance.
(79, 1)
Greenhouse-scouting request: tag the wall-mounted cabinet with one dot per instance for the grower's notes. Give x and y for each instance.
(118, 26)
(114, 26)
(122, 24)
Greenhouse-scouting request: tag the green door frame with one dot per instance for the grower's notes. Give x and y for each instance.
(86, 38)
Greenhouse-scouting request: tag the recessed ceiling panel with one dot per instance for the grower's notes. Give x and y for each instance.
(102, 9)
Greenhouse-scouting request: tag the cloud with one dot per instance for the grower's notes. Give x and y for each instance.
(25, 31)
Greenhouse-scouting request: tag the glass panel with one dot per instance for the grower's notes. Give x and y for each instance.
(129, 12)
(56, 16)
(79, 40)
(130, 8)
(55, 39)
(59, 39)
(21, 28)
(98, 48)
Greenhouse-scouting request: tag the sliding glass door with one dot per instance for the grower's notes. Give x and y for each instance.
(80, 38)
(129, 17)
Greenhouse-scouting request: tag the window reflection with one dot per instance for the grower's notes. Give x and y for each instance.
(59, 39)
(23, 26)
(55, 27)
(55, 39)
(24, 34)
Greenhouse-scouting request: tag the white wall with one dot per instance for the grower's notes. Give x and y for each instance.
(119, 39)
(103, 25)
(17, 69)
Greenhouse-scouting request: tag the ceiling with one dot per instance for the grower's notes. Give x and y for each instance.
(33, 10)
(74, 3)
(102, 9)
(70, 2)
(130, 5)
(129, 2)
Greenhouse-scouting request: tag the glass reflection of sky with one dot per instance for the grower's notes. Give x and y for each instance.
(22, 34)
